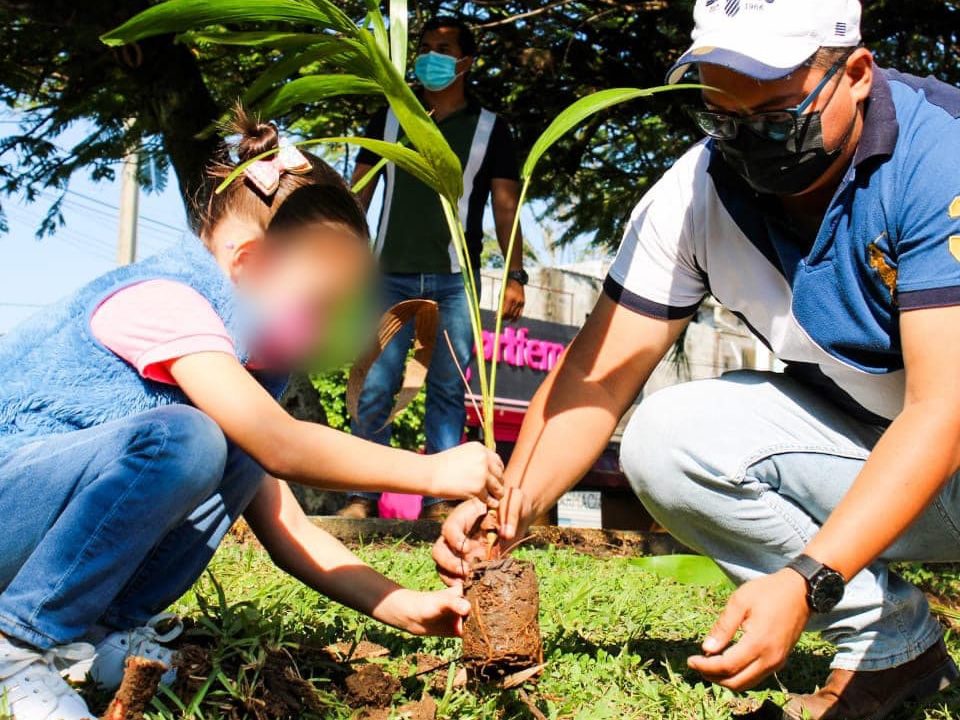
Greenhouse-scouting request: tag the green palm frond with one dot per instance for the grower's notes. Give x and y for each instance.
(344, 57)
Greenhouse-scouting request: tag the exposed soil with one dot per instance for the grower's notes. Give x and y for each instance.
(375, 532)
(287, 693)
(280, 690)
(604, 543)
(425, 709)
(370, 686)
(433, 672)
(502, 633)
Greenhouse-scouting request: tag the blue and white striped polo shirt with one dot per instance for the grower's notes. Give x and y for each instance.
(890, 241)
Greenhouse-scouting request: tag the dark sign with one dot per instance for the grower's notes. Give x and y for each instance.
(529, 349)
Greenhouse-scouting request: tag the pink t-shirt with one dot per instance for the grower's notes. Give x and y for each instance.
(152, 323)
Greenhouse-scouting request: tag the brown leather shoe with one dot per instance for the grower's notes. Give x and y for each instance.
(863, 695)
(358, 508)
(438, 511)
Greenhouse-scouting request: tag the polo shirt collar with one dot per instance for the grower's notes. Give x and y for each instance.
(880, 126)
(473, 106)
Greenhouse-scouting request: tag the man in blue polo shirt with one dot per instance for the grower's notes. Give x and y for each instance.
(824, 209)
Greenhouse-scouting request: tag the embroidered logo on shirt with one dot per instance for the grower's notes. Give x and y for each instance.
(955, 246)
(954, 211)
(878, 261)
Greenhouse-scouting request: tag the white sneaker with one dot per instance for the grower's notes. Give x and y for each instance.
(106, 666)
(31, 687)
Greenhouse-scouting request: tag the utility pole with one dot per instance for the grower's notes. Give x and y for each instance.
(129, 201)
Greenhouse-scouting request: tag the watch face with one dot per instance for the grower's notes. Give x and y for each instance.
(826, 591)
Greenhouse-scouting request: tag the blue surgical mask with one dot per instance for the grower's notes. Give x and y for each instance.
(436, 71)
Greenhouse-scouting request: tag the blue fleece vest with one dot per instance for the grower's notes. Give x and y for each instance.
(55, 377)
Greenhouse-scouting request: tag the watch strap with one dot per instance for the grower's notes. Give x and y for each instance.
(806, 566)
(520, 276)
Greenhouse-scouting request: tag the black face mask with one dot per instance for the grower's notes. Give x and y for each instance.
(781, 167)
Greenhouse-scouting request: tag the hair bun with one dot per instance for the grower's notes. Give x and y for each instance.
(256, 137)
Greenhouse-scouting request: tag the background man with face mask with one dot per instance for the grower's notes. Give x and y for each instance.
(416, 257)
(824, 209)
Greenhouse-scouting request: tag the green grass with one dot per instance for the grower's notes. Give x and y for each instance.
(616, 639)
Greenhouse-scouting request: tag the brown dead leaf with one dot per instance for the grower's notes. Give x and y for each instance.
(350, 652)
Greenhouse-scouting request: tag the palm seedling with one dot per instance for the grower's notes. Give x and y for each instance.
(322, 54)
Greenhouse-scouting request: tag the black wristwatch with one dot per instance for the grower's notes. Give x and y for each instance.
(520, 276)
(825, 585)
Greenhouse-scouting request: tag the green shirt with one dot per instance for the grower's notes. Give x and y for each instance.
(416, 238)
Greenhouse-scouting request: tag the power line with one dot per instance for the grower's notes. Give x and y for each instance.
(157, 239)
(80, 242)
(98, 201)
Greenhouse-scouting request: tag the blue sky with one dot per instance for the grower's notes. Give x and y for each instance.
(36, 272)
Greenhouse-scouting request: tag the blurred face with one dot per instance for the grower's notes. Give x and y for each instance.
(309, 289)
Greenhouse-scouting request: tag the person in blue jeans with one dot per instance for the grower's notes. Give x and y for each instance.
(139, 418)
(445, 411)
(414, 251)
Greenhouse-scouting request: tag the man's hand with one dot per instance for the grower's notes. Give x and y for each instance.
(772, 611)
(460, 544)
(515, 514)
(467, 471)
(513, 301)
(439, 613)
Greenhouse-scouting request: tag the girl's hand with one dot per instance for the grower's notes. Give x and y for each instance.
(467, 471)
(459, 544)
(439, 613)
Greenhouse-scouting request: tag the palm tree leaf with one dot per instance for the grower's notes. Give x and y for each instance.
(276, 39)
(176, 16)
(399, 29)
(287, 67)
(370, 175)
(406, 159)
(582, 109)
(313, 88)
(375, 21)
(685, 569)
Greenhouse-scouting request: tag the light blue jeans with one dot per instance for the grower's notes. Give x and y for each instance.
(747, 468)
(446, 413)
(112, 524)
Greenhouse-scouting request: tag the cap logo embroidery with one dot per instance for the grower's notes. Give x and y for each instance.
(841, 29)
(731, 7)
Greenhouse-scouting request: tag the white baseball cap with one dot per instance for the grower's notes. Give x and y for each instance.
(767, 39)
